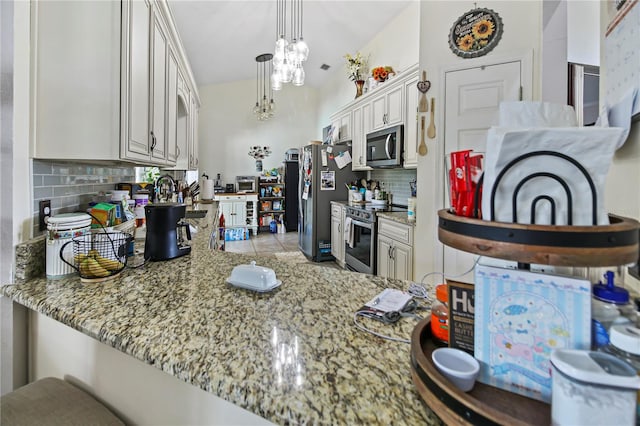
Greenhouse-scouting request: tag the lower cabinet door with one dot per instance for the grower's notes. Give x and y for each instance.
(403, 261)
(337, 238)
(385, 263)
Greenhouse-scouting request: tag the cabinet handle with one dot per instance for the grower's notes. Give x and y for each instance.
(389, 253)
(153, 141)
(178, 152)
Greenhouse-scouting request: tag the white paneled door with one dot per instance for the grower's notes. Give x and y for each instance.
(472, 97)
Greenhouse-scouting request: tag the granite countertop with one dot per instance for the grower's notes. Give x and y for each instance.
(291, 356)
(400, 217)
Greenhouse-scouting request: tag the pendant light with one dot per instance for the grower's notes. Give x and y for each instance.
(265, 106)
(288, 55)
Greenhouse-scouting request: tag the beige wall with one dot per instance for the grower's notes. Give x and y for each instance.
(622, 191)
(227, 127)
(522, 32)
(395, 45)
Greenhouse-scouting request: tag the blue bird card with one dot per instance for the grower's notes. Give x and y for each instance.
(520, 318)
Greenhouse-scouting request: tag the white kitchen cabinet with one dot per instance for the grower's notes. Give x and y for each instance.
(239, 210)
(159, 92)
(235, 212)
(412, 125)
(387, 108)
(341, 124)
(93, 85)
(361, 126)
(337, 232)
(184, 123)
(395, 249)
(172, 107)
(193, 134)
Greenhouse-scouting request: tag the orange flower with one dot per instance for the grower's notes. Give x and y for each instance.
(465, 43)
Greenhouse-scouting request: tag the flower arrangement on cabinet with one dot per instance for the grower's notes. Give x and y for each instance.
(380, 74)
(356, 66)
(259, 152)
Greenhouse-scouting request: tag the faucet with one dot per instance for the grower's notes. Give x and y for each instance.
(162, 192)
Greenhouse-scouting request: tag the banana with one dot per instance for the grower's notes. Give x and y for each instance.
(79, 258)
(90, 268)
(109, 264)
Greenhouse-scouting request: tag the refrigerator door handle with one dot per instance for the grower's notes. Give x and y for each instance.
(386, 146)
(300, 189)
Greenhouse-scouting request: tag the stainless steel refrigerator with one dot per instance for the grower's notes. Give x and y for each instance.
(321, 181)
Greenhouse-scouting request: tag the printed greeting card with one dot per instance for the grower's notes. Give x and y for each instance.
(520, 318)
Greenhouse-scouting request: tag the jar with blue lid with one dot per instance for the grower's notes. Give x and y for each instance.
(610, 305)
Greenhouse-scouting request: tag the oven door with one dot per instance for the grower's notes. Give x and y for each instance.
(360, 256)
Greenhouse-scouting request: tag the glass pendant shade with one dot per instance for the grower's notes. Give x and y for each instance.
(298, 76)
(276, 84)
(281, 44)
(303, 50)
(286, 72)
(265, 106)
(289, 56)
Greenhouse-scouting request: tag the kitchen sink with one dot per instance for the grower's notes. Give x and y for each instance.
(195, 214)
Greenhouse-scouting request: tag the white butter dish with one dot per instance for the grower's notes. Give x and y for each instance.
(254, 277)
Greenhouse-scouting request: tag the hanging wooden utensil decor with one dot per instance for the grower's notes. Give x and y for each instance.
(431, 130)
(422, 149)
(423, 87)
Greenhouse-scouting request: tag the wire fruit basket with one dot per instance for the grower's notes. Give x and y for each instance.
(98, 256)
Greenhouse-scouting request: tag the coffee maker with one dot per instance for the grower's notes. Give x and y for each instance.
(163, 241)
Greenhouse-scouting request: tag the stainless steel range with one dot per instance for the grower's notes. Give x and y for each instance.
(360, 249)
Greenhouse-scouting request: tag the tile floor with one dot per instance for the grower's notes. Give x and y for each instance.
(265, 242)
(283, 246)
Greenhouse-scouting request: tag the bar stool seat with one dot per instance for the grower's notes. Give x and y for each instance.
(53, 402)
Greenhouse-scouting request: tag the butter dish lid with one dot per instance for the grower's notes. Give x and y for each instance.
(253, 277)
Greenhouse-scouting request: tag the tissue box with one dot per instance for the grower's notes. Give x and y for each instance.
(520, 318)
(236, 234)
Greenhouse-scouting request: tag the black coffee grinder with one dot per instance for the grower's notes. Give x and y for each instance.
(162, 240)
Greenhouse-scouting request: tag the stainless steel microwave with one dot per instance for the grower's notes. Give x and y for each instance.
(384, 147)
(246, 184)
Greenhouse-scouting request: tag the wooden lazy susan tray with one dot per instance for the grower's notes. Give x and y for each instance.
(560, 245)
(483, 405)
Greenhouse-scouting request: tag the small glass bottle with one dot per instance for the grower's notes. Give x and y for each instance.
(624, 344)
(609, 306)
(221, 232)
(440, 316)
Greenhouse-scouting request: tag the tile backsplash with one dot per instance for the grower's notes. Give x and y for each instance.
(396, 181)
(71, 186)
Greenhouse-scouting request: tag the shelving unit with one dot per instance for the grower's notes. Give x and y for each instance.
(274, 191)
(565, 245)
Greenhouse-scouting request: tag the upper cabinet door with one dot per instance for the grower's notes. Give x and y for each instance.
(395, 106)
(136, 22)
(172, 108)
(378, 112)
(387, 108)
(412, 125)
(159, 94)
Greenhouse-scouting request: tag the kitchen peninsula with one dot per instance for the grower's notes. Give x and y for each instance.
(290, 356)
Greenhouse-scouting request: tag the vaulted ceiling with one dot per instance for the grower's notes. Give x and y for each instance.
(222, 37)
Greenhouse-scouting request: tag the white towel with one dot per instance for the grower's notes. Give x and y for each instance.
(348, 231)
